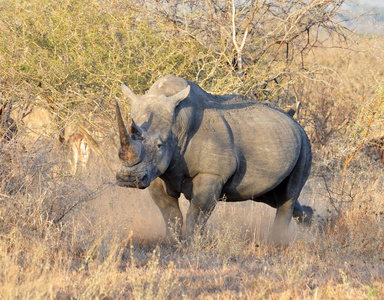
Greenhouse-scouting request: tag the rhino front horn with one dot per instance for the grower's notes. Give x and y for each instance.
(130, 149)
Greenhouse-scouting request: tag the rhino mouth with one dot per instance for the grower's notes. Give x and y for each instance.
(133, 182)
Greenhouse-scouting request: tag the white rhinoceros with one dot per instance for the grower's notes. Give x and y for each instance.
(182, 139)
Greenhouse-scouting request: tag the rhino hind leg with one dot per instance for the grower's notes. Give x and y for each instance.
(282, 219)
(286, 198)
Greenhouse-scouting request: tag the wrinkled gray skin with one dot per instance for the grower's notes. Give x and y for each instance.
(183, 140)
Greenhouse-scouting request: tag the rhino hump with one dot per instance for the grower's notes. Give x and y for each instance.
(168, 85)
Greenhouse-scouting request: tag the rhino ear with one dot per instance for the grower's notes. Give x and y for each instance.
(136, 132)
(128, 93)
(177, 98)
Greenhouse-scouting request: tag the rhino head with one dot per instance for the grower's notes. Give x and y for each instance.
(146, 147)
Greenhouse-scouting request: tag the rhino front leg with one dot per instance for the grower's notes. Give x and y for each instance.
(206, 191)
(169, 207)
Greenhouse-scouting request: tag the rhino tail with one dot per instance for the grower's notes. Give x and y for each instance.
(294, 109)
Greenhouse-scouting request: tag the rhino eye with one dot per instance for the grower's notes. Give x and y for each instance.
(159, 144)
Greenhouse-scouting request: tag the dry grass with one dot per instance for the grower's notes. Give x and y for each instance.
(79, 237)
(112, 245)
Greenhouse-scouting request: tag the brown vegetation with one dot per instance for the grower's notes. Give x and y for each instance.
(65, 236)
(375, 149)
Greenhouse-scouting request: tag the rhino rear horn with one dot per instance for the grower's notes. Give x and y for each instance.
(130, 150)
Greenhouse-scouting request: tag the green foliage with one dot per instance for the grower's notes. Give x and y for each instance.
(75, 51)
(372, 292)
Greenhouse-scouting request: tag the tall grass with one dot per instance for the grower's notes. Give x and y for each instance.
(75, 237)
(86, 256)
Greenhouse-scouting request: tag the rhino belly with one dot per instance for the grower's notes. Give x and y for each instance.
(251, 188)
